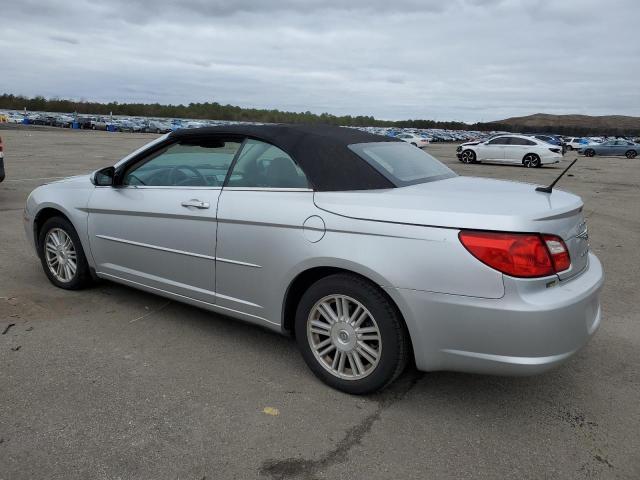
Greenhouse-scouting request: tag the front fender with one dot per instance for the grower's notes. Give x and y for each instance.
(70, 202)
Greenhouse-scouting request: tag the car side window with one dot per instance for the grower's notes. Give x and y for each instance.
(262, 165)
(189, 163)
(498, 141)
(520, 141)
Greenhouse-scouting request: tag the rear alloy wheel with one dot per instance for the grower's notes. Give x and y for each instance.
(589, 152)
(350, 334)
(468, 156)
(569, 147)
(631, 154)
(531, 160)
(61, 255)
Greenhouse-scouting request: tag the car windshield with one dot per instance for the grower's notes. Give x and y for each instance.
(403, 164)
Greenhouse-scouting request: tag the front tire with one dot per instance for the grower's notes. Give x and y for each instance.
(589, 152)
(631, 154)
(468, 156)
(569, 147)
(531, 160)
(61, 255)
(350, 334)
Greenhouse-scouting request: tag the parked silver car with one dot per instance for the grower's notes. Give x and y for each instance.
(369, 250)
(611, 148)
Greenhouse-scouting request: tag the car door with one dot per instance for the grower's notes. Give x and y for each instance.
(517, 148)
(621, 147)
(493, 149)
(261, 213)
(158, 228)
(607, 148)
(513, 151)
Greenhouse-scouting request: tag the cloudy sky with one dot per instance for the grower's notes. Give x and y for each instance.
(470, 60)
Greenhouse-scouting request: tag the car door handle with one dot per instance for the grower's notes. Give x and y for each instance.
(195, 203)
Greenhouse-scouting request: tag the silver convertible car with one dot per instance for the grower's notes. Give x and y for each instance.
(368, 250)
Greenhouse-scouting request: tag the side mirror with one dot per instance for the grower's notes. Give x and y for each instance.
(104, 177)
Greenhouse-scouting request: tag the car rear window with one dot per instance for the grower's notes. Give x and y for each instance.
(401, 163)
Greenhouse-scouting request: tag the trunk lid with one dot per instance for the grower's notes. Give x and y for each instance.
(471, 203)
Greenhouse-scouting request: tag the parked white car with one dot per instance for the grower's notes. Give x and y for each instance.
(575, 143)
(518, 149)
(413, 139)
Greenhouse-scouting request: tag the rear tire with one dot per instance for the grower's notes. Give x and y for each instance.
(350, 334)
(569, 147)
(531, 160)
(468, 156)
(631, 154)
(61, 255)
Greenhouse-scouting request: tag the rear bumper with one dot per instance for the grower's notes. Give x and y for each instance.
(551, 158)
(529, 330)
(2, 174)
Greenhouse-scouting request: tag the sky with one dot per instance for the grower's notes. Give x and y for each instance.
(459, 60)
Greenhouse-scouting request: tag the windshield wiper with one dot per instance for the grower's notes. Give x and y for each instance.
(553, 184)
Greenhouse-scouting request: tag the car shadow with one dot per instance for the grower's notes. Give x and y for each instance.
(280, 353)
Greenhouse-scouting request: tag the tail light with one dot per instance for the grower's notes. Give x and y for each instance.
(518, 254)
(1, 145)
(555, 150)
(558, 251)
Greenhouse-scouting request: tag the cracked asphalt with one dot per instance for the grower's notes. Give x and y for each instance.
(113, 383)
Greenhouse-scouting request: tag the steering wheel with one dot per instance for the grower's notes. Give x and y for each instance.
(173, 175)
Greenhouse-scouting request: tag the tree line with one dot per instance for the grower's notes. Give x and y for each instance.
(217, 111)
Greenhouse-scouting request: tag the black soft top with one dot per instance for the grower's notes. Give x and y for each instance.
(321, 151)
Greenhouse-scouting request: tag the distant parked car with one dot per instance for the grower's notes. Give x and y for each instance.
(553, 140)
(158, 126)
(63, 121)
(84, 122)
(15, 118)
(519, 149)
(99, 123)
(124, 125)
(574, 143)
(611, 148)
(413, 139)
(1, 160)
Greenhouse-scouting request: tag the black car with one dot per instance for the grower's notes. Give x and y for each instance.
(552, 139)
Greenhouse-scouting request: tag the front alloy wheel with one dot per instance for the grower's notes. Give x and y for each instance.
(60, 255)
(468, 156)
(589, 152)
(350, 334)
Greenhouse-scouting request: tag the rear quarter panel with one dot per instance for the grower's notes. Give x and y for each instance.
(407, 256)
